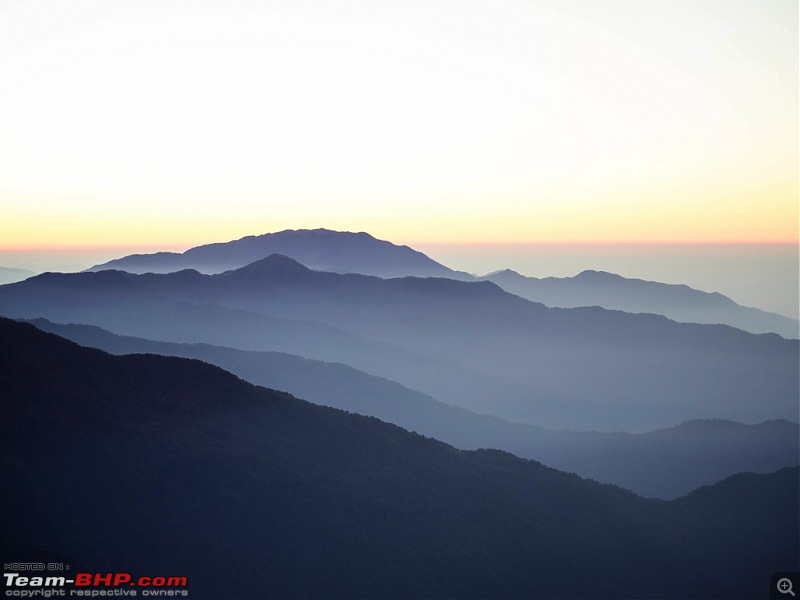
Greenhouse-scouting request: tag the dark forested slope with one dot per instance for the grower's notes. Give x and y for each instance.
(149, 463)
(665, 463)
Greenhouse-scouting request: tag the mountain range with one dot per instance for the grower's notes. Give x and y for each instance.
(168, 465)
(677, 302)
(665, 463)
(319, 249)
(160, 462)
(581, 368)
(345, 252)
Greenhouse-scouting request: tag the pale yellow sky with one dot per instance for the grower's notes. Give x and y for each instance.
(173, 123)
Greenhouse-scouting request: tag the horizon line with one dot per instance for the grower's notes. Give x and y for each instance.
(181, 246)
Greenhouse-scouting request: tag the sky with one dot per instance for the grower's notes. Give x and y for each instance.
(163, 124)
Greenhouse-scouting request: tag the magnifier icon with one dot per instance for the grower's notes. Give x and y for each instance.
(785, 586)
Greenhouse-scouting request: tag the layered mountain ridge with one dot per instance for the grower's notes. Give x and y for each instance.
(319, 249)
(345, 252)
(167, 464)
(560, 368)
(163, 463)
(666, 463)
(677, 302)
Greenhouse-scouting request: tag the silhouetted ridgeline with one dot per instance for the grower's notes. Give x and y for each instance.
(319, 249)
(466, 343)
(152, 463)
(678, 302)
(666, 463)
(345, 252)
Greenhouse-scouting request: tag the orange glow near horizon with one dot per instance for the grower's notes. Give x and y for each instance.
(591, 223)
(495, 123)
(131, 247)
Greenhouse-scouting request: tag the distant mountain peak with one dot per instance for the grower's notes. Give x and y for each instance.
(317, 233)
(274, 264)
(598, 275)
(317, 249)
(507, 273)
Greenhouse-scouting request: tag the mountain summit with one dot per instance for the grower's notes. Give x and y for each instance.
(318, 249)
(274, 265)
